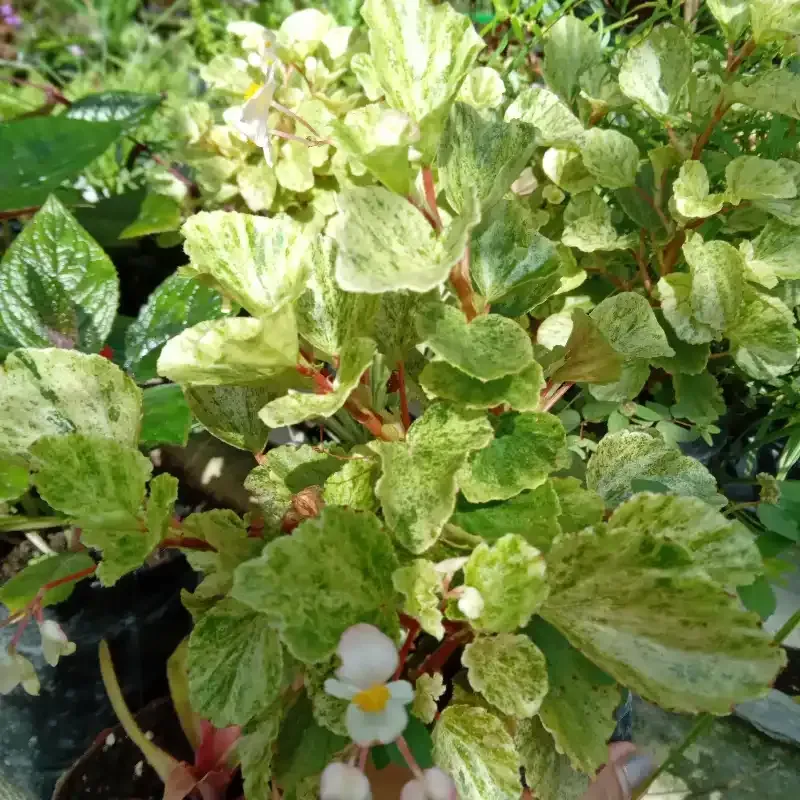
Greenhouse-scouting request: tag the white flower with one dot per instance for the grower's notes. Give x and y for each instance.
(257, 39)
(343, 782)
(54, 642)
(377, 709)
(251, 119)
(16, 670)
(470, 604)
(435, 785)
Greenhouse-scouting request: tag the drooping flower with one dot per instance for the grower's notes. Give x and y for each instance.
(15, 670)
(376, 713)
(434, 785)
(343, 782)
(251, 119)
(54, 642)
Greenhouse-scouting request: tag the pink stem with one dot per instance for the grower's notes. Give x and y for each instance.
(405, 751)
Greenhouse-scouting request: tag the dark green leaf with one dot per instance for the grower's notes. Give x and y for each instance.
(22, 588)
(758, 597)
(166, 418)
(130, 109)
(419, 741)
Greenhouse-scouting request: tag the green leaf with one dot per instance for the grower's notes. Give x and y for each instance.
(419, 743)
(632, 379)
(774, 20)
(547, 773)
(733, 16)
(61, 391)
(521, 392)
(623, 457)
(427, 690)
(166, 418)
(14, 479)
(773, 91)
(473, 746)
(57, 286)
(566, 169)
(226, 532)
(580, 508)
(294, 170)
(666, 631)
(130, 109)
(40, 153)
(587, 225)
(406, 43)
(18, 591)
(483, 157)
(161, 505)
(421, 586)
(257, 185)
(510, 577)
(691, 192)
(578, 710)
(487, 348)
(231, 413)
(525, 450)
(236, 350)
(235, 664)
(754, 178)
(571, 47)
(385, 244)
(295, 407)
(611, 157)
(328, 711)
(509, 671)
(327, 317)
(353, 485)
(724, 548)
(258, 262)
(763, 338)
(342, 556)
(689, 359)
(697, 397)
(512, 264)
(656, 71)
(483, 88)
(759, 597)
(554, 122)
(532, 515)
(418, 486)
(255, 752)
(588, 357)
(176, 304)
(158, 214)
(772, 255)
(627, 321)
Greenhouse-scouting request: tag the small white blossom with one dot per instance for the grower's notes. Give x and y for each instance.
(377, 707)
(258, 40)
(343, 782)
(15, 670)
(470, 604)
(435, 785)
(54, 642)
(251, 119)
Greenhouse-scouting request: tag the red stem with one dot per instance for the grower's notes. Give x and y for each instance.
(430, 197)
(405, 751)
(462, 283)
(438, 658)
(405, 415)
(413, 631)
(188, 543)
(76, 576)
(554, 398)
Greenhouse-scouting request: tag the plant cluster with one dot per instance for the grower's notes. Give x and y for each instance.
(504, 318)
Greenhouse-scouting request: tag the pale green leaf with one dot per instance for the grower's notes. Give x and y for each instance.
(19, 590)
(421, 587)
(294, 170)
(588, 357)
(427, 690)
(226, 532)
(420, 54)
(329, 711)
(328, 317)
(257, 185)
(773, 90)
(578, 710)
(509, 671)
(57, 286)
(611, 157)
(666, 631)
(13, 478)
(656, 71)
(231, 413)
(690, 190)
(787, 211)
(235, 664)
(580, 507)
(521, 392)
(234, 350)
(482, 157)
(763, 338)
(554, 122)
(525, 450)
(353, 485)
(723, 547)
(697, 397)
(566, 169)
(160, 509)
(302, 32)
(547, 773)
(628, 323)
(385, 244)
(624, 457)
(633, 376)
(255, 752)
(418, 486)
(587, 225)
(570, 48)
(487, 348)
(394, 329)
(754, 178)
(473, 746)
(774, 20)
(510, 576)
(733, 16)
(255, 261)
(676, 292)
(772, 255)
(342, 556)
(296, 406)
(689, 359)
(482, 88)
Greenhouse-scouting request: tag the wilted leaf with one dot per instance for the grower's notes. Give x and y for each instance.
(588, 357)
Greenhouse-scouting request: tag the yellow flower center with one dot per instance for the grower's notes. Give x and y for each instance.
(254, 88)
(373, 699)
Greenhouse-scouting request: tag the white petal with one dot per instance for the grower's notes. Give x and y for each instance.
(413, 790)
(376, 727)
(343, 782)
(14, 670)
(401, 691)
(368, 656)
(344, 691)
(439, 785)
(470, 604)
(55, 643)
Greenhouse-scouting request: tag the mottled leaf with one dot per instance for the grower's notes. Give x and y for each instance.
(570, 48)
(773, 90)
(628, 323)
(691, 192)
(130, 109)
(611, 157)
(754, 178)
(580, 507)
(554, 122)
(421, 586)
(427, 690)
(733, 16)
(588, 357)
(353, 485)
(772, 255)
(587, 225)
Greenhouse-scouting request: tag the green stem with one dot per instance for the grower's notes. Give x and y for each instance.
(788, 627)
